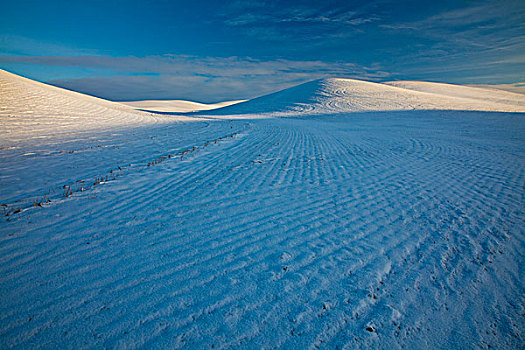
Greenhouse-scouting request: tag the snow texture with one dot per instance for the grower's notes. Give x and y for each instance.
(371, 216)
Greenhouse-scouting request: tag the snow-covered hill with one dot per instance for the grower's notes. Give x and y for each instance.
(490, 97)
(365, 221)
(31, 110)
(348, 95)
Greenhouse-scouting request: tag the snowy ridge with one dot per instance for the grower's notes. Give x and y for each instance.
(349, 95)
(499, 97)
(31, 110)
(391, 229)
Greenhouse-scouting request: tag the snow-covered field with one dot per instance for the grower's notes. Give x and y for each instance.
(336, 214)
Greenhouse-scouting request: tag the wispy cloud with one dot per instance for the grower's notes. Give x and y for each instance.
(207, 79)
(466, 43)
(483, 25)
(278, 22)
(208, 66)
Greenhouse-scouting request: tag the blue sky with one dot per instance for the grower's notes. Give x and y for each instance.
(217, 50)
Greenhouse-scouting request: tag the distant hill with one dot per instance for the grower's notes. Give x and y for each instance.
(349, 95)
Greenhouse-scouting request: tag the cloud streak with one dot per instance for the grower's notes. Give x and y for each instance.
(484, 42)
(208, 79)
(304, 21)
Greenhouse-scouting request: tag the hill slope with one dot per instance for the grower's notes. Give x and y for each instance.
(34, 110)
(348, 95)
(473, 93)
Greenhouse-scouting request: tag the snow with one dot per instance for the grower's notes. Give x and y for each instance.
(342, 214)
(518, 88)
(349, 95)
(498, 97)
(176, 106)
